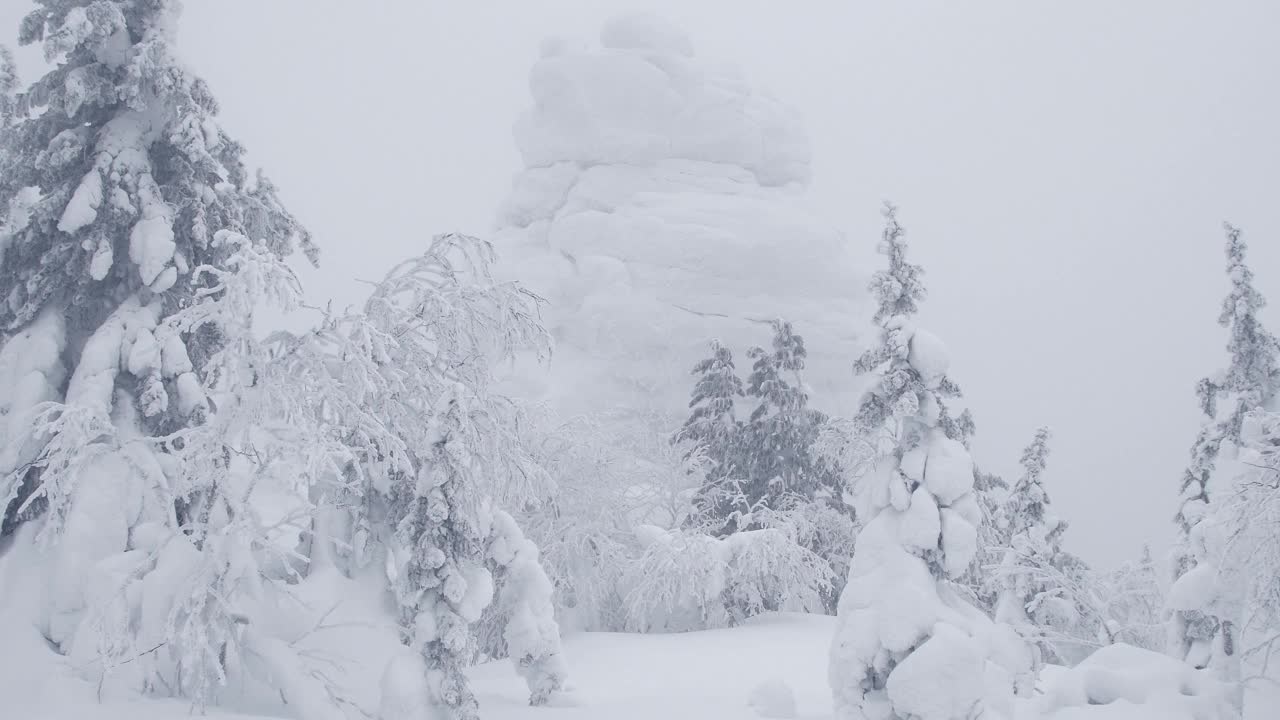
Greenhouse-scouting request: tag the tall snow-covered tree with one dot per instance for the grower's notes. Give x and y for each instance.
(1135, 602)
(712, 426)
(900, 621)
(128, 214)
(1250, 381)
(115, 178)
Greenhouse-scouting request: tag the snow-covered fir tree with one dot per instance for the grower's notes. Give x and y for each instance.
(1030, 599)
(1250, 381)
(775, 464)
(712, 427)
(128, 214)
(778, 436)
(900, 622)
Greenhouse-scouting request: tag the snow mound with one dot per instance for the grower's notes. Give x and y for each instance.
(659, 208)
(773, 698)
(942, 679)
(1122, 681)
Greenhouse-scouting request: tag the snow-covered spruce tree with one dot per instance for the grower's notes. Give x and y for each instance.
(780, 433)
(114, 178)
(1250, 381)
(126, 207)
(776, 463)
(712, 426)
(1029, 599)
(903, 646)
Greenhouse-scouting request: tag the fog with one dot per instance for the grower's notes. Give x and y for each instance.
(1063, 170)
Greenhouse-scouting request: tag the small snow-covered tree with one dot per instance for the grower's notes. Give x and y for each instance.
(774, 449)
(1250, 381)
(712, 425)
(1029, 600)
(901, 628)
(779, 435)
(524, 609)
(432, 331)
(1135, 603)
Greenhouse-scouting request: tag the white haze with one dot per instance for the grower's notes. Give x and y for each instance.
(1063, 170)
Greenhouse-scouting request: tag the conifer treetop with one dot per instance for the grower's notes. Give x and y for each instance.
(133, 177)
(899, 288)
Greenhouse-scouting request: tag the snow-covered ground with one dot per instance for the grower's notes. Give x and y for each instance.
(682, 676)
(685, 676)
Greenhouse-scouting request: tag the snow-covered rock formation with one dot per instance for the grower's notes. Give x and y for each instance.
(660, 207)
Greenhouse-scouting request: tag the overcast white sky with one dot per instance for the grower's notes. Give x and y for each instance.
(1063, 169)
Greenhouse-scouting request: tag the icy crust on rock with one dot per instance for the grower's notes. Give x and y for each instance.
(660, 207)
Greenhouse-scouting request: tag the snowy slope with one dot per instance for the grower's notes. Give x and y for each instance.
(661, 206)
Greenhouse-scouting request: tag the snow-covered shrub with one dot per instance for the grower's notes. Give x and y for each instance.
(826, 528)
(767, 570)
(688, 580)
(678, 583)
(610, 476)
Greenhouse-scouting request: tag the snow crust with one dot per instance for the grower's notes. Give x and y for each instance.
(660, 206)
